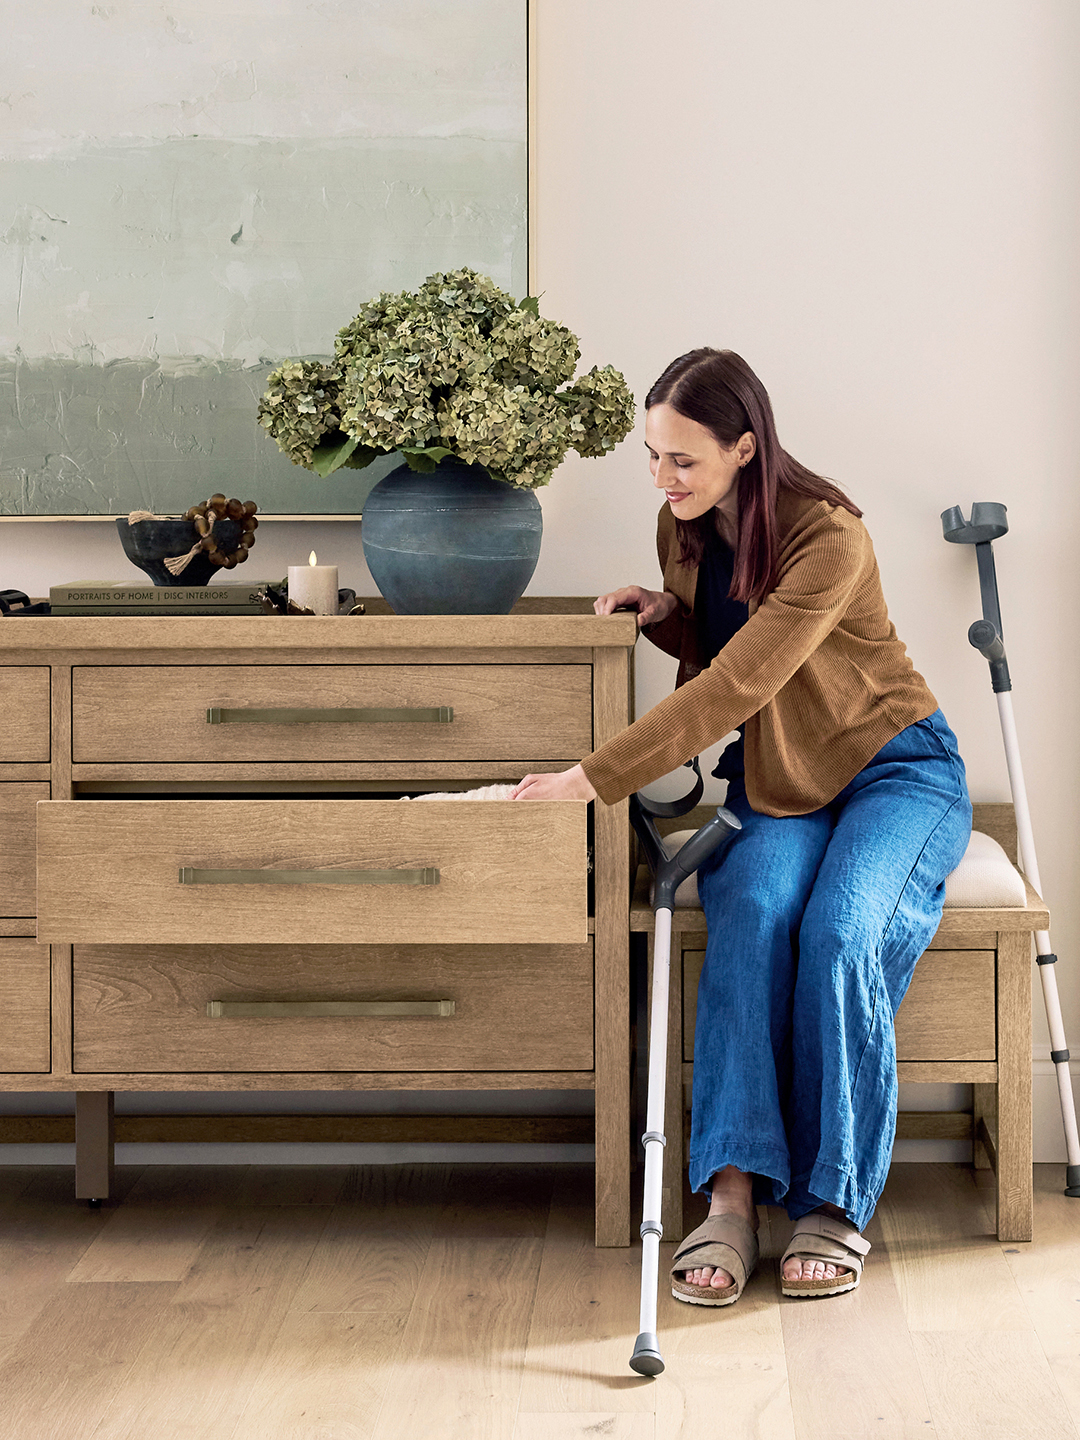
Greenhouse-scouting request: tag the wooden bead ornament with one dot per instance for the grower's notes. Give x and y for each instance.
(205, 515)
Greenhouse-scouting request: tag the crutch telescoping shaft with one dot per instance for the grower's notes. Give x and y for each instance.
(668, 874)
(988, 523)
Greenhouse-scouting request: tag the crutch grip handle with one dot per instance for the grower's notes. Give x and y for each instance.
(986, 638)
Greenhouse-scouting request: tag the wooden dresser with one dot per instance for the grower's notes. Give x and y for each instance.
(230, 894)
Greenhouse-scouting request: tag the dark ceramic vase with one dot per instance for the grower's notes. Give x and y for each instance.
(455, 542)
(149, 543)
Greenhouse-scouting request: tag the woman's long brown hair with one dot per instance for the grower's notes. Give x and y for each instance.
(719, 390)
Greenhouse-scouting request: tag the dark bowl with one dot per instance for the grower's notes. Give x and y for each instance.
(149, 543)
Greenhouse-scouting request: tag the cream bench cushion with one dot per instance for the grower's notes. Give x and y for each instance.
(984, 880)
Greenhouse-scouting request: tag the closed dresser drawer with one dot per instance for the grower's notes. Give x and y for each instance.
(147, 1008)
(24, 1007)
(947, 1013)
(18, 805)
(24, 713)
(174, 714)
(297, 871)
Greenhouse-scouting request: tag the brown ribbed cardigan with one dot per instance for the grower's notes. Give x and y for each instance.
(817, 672)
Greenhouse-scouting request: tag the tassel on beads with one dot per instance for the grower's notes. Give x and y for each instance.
(177, 564)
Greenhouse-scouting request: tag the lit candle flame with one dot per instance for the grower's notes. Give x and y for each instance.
(311, 558)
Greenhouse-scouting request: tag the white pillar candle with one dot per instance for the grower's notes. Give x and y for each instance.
(314, 586)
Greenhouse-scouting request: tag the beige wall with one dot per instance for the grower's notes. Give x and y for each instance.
(872, 204)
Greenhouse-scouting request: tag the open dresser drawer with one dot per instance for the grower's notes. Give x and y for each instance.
(285, 871)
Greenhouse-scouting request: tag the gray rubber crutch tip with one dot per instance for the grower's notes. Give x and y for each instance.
(646, 1359)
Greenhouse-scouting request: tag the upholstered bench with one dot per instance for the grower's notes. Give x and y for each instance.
(966, 1018)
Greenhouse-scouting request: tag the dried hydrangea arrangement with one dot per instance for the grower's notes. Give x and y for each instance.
(459, 368)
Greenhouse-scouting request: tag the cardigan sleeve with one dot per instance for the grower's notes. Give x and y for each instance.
(814, 591)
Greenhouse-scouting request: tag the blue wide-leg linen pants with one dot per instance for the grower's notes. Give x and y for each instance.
(815, 924)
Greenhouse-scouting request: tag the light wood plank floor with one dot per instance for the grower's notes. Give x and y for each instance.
(225, 1303)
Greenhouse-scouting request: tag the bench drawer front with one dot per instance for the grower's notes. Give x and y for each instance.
(18, 806)
(297, 871)
(948, 1012)
(144, 1009)
(24, 1007)
(145, 714)
(24, 706)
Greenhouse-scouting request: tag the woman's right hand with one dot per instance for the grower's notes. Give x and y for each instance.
(652, 606)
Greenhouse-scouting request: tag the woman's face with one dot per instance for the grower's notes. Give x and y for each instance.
(690, 465)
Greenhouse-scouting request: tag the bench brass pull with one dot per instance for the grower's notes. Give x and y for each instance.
(330, 1009)
(417, 715)
(190, 876)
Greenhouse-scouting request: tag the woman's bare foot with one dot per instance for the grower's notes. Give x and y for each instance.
(732, 1194)
(817, 1269)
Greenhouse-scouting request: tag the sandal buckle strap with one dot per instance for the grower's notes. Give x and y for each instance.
(839, 1231)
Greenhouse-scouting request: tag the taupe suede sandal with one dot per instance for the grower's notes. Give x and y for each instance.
(726, 1242)
(821, 1237)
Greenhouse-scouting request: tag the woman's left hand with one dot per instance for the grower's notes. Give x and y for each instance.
(572, 784)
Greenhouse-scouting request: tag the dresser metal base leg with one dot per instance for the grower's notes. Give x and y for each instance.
(94, 1127)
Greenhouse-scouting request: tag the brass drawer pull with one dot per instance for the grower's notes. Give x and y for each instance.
(332, 1009)
(418, 715)
(189, 876)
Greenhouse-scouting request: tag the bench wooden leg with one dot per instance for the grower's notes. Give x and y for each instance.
(94, 1111)
(984, 1115)
(1014, 1129)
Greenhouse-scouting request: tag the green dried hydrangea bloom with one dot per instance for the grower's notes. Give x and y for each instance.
(600, 411)
(388, 403)
(534, 352)
(520, 436)
(464, 292)
(458, 367)
(300, 406)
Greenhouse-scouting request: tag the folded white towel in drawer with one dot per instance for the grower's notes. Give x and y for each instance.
(485, 792)
(984, 879)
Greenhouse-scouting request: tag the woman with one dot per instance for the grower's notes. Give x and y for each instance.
(854, 807)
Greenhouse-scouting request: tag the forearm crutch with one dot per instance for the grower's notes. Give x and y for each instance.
(987, 524)
(668, 873)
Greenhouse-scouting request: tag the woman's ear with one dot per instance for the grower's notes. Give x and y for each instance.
(746, 448)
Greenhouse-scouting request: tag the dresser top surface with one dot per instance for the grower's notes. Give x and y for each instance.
(23, 638)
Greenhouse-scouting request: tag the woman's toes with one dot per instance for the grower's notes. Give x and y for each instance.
(810, 1270)
(707, 1276)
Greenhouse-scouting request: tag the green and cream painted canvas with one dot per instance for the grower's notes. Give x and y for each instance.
(194, 191)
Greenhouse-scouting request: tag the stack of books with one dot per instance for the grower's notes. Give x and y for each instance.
(93, 597)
